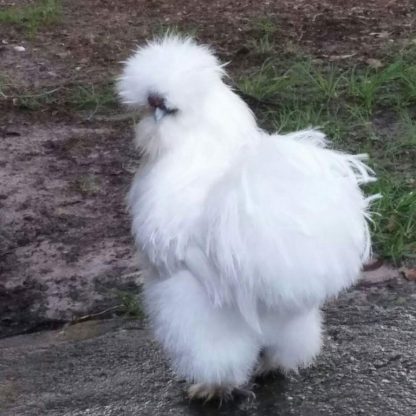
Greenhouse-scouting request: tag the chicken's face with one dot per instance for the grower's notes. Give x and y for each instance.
(172, 81)
(178, 86)
(159, 107)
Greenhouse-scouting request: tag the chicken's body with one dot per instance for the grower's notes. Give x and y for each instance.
(244, 234)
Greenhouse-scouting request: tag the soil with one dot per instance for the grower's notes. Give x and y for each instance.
(65, 245)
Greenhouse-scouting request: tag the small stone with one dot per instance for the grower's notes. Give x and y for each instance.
(19, 48)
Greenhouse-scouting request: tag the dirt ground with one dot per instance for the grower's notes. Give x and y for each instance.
(65, 246)
(112, 368)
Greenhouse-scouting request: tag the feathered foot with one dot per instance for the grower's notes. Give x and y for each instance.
(266, 368)
(208, 392)
(263, 369)
(264, 372)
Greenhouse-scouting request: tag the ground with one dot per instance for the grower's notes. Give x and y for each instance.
(112, 368)
(66, 153)
(66, 161)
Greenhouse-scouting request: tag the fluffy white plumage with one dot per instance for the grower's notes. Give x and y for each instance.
(244, 234)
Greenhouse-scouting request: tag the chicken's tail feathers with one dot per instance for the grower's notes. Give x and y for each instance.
(368, 219)
(362, 172)
(356, 163)
(311, 136)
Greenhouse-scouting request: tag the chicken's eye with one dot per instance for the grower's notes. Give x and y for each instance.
(158, 104)
(171, 110)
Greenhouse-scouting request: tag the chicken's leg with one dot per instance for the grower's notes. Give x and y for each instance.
(210, 346)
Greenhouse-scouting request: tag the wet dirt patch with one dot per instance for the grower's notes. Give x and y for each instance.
(64, 227)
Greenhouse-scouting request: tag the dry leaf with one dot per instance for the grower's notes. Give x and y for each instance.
(340, 57)
(382, 35)
(374, 63)
(409, 274)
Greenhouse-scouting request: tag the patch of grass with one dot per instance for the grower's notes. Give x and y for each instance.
(363, 109)
(399, 143)
(163, 29)
(263, 43)
(394, 227)
(300, 83)
(407, 139)
(36, 100)
(362, 88)
(43, 12)
(129, 305)
(90, 98)
(389, 86)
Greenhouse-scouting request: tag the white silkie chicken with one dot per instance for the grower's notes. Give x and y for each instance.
(244, 234)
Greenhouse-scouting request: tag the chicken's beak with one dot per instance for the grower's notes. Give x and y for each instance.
(158, 106)
(158, 114)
